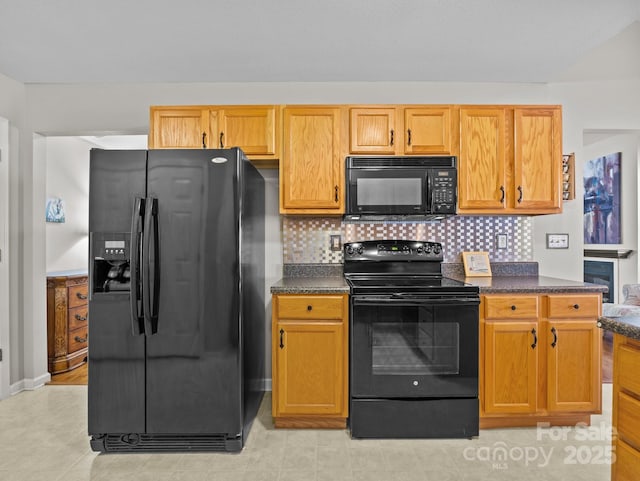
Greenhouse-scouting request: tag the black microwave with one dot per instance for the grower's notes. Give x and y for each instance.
(420, 187)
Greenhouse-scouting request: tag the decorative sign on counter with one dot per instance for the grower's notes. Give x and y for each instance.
(476, 264)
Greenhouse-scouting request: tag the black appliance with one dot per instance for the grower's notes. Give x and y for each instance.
(420, 187)
(176, 269)
(414, 343)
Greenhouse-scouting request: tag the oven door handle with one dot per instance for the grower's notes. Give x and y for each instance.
(412, 300)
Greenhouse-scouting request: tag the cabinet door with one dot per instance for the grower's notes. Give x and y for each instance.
(253, 129)
(178, 128)
(372, 130)
(538, 159)
(427, 130)
(482, 181)
(310, 368)
(312, 171)
(510, 366)
(573, 365)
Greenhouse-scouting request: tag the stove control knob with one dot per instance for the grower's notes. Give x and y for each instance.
(420, 249)
(436, 249)
(427, 248)
(349, 250)
(360, 250)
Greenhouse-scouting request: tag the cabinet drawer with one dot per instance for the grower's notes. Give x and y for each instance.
(627, 463)
(510, 307)
(78, 295)
(78, 317)
(629, 419)
(627, 364)
(579, 306)
(77, 339)
(310, 307)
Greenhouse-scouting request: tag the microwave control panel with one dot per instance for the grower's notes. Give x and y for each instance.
(443, 191)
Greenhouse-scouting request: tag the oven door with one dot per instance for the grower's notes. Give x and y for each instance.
(414, 346)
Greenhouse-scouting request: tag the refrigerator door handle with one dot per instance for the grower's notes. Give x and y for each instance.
(150, 266)
(137, 318)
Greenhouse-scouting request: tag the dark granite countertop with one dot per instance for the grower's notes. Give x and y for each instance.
(311, 285)
(529, 284)
(628, 326)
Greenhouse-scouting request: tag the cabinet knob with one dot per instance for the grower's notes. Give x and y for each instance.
(81, 296)
(309, 308)
(80, 339)
(80, 318)
(576, 306)
(513, 308)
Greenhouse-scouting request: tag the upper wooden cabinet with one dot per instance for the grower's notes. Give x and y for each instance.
(510, 160)
(312, 165)
(253, 128)
(402, 130)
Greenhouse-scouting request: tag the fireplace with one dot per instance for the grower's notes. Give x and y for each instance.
(603, 272)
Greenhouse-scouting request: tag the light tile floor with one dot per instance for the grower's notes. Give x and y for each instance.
(43, 436)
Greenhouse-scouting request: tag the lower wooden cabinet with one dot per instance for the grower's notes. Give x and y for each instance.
(626, 409)
(540, 359)
(310, 360)
(67, 322)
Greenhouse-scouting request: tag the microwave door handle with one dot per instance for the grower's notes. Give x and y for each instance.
(429, 192)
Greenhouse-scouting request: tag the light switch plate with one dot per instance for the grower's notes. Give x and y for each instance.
(501, 241)
(557, 241)
(335, 242)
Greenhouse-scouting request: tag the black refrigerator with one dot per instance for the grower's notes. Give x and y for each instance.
(176, 299)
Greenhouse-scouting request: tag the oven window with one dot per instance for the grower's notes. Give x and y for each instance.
(413, 342)
(389, 191)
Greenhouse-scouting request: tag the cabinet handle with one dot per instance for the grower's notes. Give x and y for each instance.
(80, 339)
(408, 136)
(535, 338)
(520, 196)
(204, 140)
(576, 306)
(555, 337)
(513, 308)
(81, 296)
(281, 338)
(391, 141)
(80, 318)
(336, 193)
(501, 194)
(222, 140)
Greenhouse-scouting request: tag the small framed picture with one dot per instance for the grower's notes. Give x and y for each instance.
(557, 241)
(476, 264)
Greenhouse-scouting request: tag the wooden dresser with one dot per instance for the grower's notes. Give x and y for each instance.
(67, 320)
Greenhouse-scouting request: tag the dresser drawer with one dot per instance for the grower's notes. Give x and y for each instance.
(78, 295)
(579, 306)
(77, 339)
(511, 307)
(78, 317)
(310, 307)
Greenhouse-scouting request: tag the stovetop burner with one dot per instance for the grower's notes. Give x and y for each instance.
(398, 266)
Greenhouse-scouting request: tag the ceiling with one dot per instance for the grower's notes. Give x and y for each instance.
(78, 41)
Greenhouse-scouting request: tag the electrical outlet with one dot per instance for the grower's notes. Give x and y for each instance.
(335, 242)
(501, 241)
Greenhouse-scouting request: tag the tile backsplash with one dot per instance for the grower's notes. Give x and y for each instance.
(306, 239)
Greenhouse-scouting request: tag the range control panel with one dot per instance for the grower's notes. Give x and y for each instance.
(401, 250)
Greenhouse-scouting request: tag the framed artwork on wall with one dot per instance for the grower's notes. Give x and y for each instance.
(55, 210)
(602, 221)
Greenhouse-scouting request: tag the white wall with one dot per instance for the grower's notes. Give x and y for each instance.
(67, 177)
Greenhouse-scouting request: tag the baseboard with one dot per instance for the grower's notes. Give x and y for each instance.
(29, 384)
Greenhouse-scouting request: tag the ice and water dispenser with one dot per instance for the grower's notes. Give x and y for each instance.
(111, 257)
